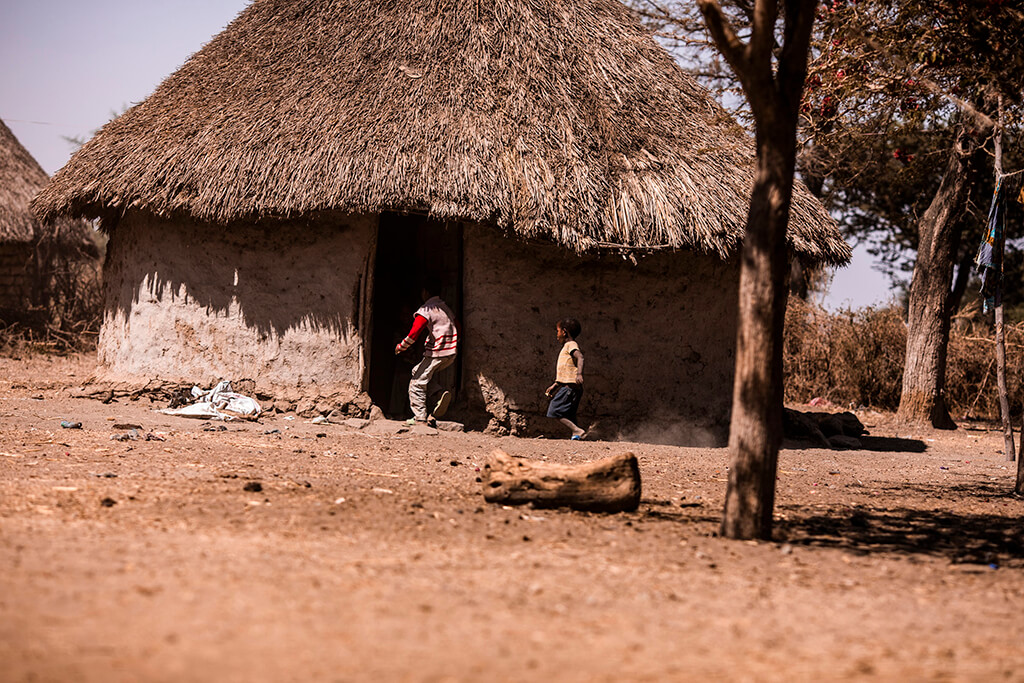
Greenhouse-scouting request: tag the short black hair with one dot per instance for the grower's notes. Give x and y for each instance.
(570, 326)
(432, 284)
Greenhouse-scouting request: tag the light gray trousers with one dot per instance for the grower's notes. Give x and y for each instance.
(422, 384)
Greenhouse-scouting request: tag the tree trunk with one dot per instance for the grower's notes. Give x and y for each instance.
(924, 375)
(773, 92)
(963, 277)
(756, 429)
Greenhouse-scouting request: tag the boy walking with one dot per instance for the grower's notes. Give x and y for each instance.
(437, 320)
(567, 390)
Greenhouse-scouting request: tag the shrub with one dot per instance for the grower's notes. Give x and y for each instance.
(851, 358)
(971, 389)
(856, 358)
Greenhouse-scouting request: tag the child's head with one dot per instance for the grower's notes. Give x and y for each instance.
(570, 327)
(431, 287)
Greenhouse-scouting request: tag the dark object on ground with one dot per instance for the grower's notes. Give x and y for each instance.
(125, 425)
(608, 485)
(70, 425)
(821, 428)
(131, 435)
(253, 487)
(180, 398)
(108, 502)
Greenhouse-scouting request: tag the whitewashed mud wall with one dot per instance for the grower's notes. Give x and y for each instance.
(659, 338)
(276, 302)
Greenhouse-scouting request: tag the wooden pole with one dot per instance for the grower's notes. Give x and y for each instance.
(1019, 488)
(1004, 402)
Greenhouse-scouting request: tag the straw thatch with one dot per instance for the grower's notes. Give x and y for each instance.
(551, 119)
(21, 177)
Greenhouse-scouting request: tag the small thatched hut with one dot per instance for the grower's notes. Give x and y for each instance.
(28, 248)
(274, 205)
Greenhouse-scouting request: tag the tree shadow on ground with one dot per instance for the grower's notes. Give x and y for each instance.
(980, 538)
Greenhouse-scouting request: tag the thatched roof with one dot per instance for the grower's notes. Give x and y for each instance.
(21, 177)
(551, 119)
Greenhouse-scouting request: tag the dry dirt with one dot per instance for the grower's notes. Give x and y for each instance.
(374, 557)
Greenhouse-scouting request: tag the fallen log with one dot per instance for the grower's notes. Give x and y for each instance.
(608, 485)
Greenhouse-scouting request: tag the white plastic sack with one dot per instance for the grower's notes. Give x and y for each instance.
(219, 403)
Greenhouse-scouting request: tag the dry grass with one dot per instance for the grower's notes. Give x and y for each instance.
(855, 358)
(850, 358)
(971, 376)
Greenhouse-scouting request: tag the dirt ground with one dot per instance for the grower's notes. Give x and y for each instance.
(370, 555)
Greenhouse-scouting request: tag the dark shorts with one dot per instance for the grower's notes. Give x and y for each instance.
(566, 401)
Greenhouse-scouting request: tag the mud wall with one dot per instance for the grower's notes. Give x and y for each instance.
(658, 338)
(277, 302)
(16, 268)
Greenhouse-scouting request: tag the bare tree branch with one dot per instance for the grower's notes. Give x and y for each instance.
(725, 37)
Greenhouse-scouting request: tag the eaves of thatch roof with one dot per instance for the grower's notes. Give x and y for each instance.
(21, 177)
(551, 119)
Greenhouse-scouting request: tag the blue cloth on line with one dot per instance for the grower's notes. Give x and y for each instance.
(990, 255)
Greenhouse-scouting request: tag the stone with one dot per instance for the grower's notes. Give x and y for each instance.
(387, 427)
(244, 386)
(376, 413)
(306, 408)
(447, 426)
(283, 406)
(423, 430)
(356, 423)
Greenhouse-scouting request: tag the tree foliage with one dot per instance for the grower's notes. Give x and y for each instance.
(889, 82)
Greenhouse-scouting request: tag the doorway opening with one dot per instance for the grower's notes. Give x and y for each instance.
(410, 249)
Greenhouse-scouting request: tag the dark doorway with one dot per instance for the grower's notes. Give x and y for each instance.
(409, 249)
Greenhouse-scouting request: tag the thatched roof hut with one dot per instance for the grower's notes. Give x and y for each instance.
(306, 130)
(26, 243)
(553, 119)
(21, 178)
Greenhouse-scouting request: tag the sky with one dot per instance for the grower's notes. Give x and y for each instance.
(70, 65)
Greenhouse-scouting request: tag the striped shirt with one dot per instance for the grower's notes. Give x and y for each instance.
(439, 323)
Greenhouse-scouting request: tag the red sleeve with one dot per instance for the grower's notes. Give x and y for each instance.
(419, 323)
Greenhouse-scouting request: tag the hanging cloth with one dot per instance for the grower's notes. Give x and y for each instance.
(990, 256)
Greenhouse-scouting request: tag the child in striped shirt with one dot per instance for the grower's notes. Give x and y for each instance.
(439, 349)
